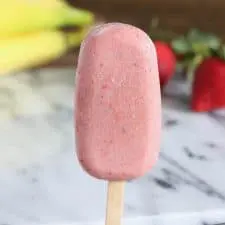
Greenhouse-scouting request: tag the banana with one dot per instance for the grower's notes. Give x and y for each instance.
(35, 49)
(21, 16)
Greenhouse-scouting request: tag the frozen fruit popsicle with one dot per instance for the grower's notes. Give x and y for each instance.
(117, 107)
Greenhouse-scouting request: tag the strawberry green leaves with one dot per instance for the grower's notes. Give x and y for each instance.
(196, 42)
(181, 46)
(194, 47)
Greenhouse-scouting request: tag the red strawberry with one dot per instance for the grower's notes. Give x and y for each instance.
(166, 61)
(209, 85)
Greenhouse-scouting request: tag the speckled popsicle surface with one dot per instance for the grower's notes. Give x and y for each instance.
(117, 103)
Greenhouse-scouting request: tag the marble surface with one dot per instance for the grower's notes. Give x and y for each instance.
(41, 181)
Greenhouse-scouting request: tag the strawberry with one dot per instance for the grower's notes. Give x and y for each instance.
(208, 91)
(166, 61)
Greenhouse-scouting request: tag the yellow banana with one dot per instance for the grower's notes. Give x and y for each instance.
(35, 49)
(20, 16)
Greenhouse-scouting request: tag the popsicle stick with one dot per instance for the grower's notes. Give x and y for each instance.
(114, 210)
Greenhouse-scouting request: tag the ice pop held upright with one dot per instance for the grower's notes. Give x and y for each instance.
(117, 108)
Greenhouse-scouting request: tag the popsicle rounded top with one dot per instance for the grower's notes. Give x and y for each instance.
(117, 103)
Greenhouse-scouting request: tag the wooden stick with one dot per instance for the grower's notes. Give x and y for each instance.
(114, 210)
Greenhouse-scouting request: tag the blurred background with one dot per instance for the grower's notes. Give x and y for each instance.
(173, 17)
(41, 181)
(183, 37)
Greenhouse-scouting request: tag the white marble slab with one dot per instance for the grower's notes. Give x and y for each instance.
(208, 218)
(41, 181)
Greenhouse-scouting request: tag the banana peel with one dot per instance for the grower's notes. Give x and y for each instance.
(23, 16)
(37, 48)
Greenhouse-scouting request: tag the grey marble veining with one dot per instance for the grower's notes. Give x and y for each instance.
(41, 181)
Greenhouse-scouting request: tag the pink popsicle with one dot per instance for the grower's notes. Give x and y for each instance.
(117, 103)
